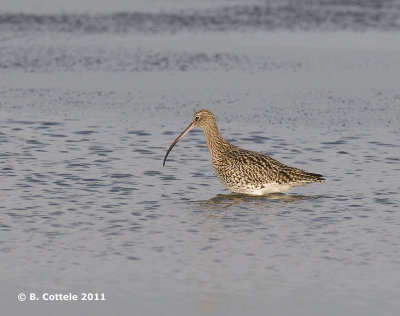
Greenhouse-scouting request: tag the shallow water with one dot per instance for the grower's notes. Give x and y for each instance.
(85, 120)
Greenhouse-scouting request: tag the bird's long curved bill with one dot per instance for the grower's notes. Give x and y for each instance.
(191, 126)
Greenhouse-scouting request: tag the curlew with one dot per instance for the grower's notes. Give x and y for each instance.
(244, 171)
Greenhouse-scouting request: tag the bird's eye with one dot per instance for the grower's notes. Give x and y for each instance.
(197, 118)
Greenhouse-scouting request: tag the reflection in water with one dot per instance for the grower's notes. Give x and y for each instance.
(226, 201)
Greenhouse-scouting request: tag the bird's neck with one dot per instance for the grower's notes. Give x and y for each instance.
(215, 142)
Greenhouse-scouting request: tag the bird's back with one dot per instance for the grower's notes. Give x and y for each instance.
(249, 172)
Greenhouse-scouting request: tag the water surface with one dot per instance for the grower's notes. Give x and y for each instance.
(87, 113)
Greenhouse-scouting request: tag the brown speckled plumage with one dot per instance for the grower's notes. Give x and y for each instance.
(245, 171)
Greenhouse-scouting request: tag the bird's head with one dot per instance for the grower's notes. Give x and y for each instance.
(202, 118)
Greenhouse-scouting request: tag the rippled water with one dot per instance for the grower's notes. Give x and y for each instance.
(85, 120)
(223, 16)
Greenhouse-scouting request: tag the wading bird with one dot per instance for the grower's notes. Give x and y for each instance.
(244, 171)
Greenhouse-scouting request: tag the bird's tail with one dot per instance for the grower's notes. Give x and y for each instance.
(314, 177)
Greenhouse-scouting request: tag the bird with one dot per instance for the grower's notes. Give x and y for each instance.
(243, 171)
